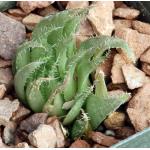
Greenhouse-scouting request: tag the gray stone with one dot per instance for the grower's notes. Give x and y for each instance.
(31, 123)
(12, 34)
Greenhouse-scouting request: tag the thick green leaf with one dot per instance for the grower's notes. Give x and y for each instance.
(138, 140)
(99, 108)
(21, 78)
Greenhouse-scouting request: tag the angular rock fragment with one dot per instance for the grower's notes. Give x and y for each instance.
(117, 75)
(127, 13)
(120, 4)
(139, 108)
(22, 145)
(2, 145)
(12, 34)
(115, 120)
(115, 93)
(102, 139)
(98, 146)
(85, 31)
(141, 27)
(80, 38)
(20, 114)
(80, 144)
(58, 130)
(106, 66)
(145, 57)
(7, 108)
(134, 77)
(100, 16)
(9, 133)
(28, 6)
(5, 63)
(31, 20)
(17, 18)
(47, 11)
(138, 42)
(17, 12)
(2, 90)
(124, 132)
(146, 68)
(85, 28)
(32, 122)
(43, 137)
(6, 77)
(122, 23)
(121, 86)
(77, 4)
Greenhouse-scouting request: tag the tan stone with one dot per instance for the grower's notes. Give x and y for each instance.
(5, 63)
(115, 120)
(17, 18)
(47, 11)
(6, 77)
(80, 144)
(124, 132)
(100, 16)
(2, 145)
(54, 122)
(134, 77)
(20, 114)
(138, 42)
(122, 23)
(102, 139)
(22, 145)
(120, 4)
(31, 20)
(85, 29)
(127, 13)
(146, 68)
(43, 137)
(28, 6)
(77, 4)
(139, 108)
(117, 75)
(145, 57)
(2, 90)
(17, 12)
(80, 39)
(106, 66)
(141, 27)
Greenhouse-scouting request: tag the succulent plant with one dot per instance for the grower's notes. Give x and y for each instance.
(52, 74)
